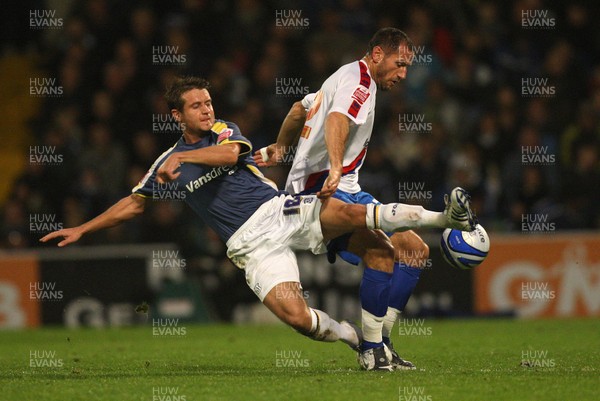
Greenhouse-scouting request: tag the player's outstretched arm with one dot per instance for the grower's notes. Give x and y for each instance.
(214, 156)
(337, 129)
(125, 209)
(288, 136)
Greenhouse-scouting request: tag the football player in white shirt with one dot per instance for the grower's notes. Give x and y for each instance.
(261, 226)
(332, 129)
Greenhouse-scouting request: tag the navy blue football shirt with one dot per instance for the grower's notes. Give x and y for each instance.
(224, 197)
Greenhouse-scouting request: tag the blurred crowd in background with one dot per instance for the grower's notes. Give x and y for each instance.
(466, 85)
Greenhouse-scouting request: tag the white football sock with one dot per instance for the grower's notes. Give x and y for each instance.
(402, 217)
(326, 329)
(389, 320)
(371, 326)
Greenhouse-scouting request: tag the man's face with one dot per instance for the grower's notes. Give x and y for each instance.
(197, 114)
(392, 66)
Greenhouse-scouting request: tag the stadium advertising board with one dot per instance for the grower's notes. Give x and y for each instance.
(19, 278)
(93, 287)
(553, 275)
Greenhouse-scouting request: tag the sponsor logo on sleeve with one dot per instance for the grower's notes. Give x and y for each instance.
(224, 135)
(361, 94)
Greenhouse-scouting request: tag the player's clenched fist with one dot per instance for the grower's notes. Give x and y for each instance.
(331, 184)
(70, 235)
(268, 156)
(166, 171)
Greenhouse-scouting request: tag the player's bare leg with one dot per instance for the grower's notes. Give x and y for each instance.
(338, 218)
(377, 252)
(410, 249)
(374, 248)
(395, 217)
(412, 255)
(286, 301)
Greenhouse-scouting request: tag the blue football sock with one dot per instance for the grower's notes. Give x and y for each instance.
(366, 345)
(375, 291)
(374, 298)
(404, 281)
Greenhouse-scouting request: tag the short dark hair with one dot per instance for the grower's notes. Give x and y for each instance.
(389, 39)
(181, 85)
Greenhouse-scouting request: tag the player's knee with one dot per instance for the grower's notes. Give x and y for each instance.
(380, 257)
(414, 253)
(421, 255)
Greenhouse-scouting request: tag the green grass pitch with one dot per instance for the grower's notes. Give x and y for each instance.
(456, 360)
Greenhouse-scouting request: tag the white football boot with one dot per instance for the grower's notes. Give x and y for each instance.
(458, 210)
(375, 359)
(356, 342)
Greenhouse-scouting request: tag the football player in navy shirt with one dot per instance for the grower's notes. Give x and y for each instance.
(211, 165)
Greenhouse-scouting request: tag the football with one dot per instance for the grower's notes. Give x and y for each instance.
(465, 250)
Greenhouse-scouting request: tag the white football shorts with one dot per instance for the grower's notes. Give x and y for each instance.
(264, 245)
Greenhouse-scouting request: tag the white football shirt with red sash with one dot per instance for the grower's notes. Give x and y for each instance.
(350, 91)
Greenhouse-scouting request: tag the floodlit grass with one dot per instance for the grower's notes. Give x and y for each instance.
(456, 360)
